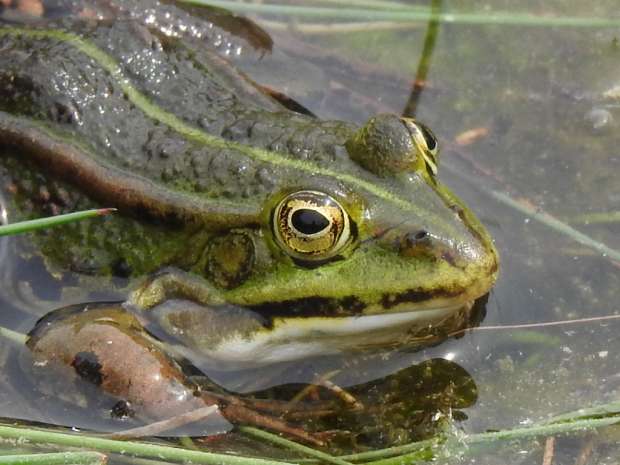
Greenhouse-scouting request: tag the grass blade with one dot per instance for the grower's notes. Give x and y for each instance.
(504, 18)
(13, 336)
(43, 223)
(275, 439)
(60, 458)
(141, 449)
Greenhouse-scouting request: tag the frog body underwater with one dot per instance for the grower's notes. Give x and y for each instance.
(256, 234)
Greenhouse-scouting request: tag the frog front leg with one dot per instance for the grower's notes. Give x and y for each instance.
(188, 313)
(172, 283)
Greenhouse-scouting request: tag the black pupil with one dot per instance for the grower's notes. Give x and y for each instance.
(431, 143)
(308, 221)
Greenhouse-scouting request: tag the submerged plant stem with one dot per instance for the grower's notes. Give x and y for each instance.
(585, 419)
(338, 28)
(293, 445)
(13, 336)
(597, 218)
(582, 420)
(461, 445)
(375, 4)
(140, 449)
(537, 214)
(555, 224)
(59, 458)
(411, 14)
(425, 61)
(420, 447)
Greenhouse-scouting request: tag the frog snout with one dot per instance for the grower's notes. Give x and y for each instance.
(421, 244)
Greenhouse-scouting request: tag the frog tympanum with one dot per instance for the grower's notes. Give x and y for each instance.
(250, 233)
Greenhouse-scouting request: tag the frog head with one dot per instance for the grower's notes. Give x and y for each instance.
(397, 243)
(376, 253)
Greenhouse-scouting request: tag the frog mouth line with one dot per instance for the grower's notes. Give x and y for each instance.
(291, 339)
(408, 301)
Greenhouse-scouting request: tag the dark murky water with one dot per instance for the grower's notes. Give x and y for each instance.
(527, 112)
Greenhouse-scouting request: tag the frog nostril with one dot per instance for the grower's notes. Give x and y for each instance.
(414, 239)
(420, 235)
(457, 209)
(416, 244)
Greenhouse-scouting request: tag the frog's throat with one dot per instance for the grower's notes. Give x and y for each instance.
(157, 113)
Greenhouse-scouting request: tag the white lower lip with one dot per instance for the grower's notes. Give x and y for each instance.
(294, 339)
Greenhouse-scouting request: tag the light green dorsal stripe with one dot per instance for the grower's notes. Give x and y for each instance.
(155, 112)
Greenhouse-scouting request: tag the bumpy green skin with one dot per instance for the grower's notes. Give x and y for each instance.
(190, 152)
(378, 148)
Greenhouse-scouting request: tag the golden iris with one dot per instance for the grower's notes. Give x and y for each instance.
(311, 225)
(425, 141)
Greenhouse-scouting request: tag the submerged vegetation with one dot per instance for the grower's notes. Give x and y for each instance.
(442, 447)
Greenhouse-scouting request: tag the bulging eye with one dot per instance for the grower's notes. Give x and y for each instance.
(426, 142)
(311, 226)
(423, 136)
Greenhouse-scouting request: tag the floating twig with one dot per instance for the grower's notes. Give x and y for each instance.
(343, 395)
(470, 136)
(549, 451)
(155, 428)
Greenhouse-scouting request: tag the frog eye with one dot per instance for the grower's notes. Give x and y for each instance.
(426, 142)
(388, 144)
(311, 226)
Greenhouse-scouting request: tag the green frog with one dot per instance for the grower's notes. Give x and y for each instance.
(249, 233)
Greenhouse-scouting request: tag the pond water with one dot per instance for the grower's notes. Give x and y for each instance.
(528, 119)
(540, 108)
